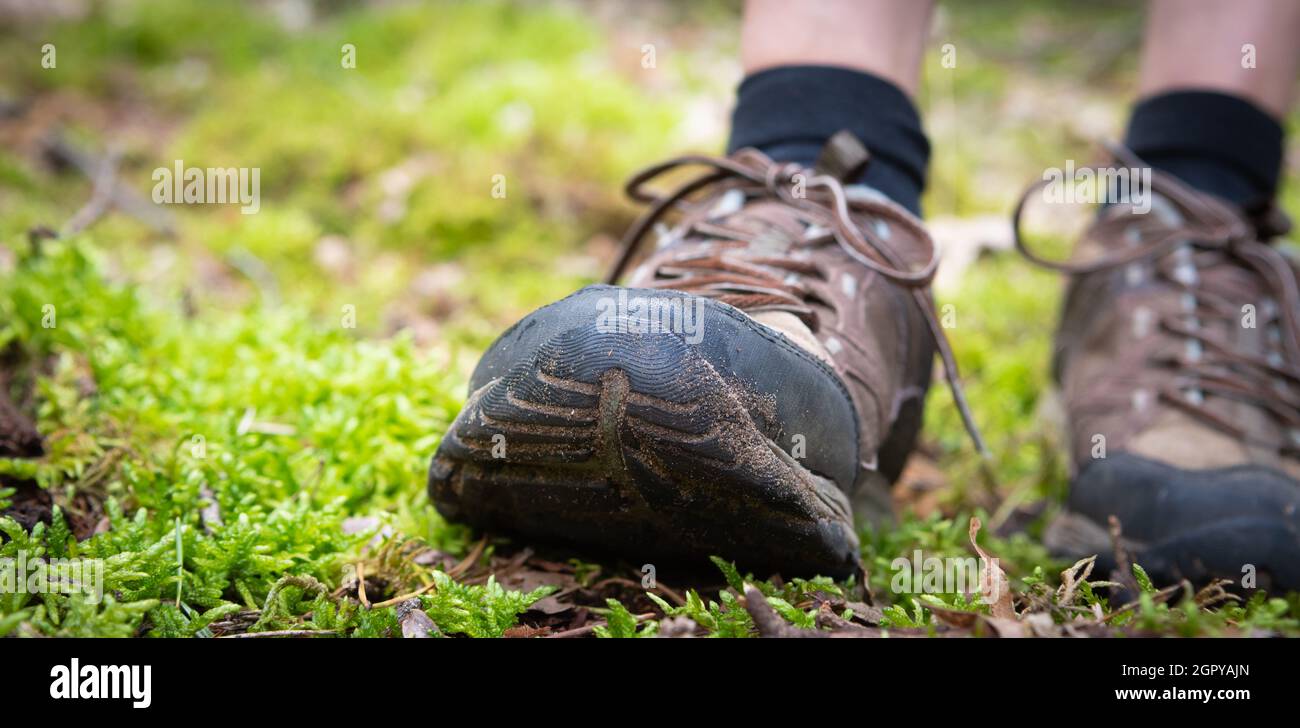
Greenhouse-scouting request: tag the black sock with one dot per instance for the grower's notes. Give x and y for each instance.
(1214, 142)
(789, 112)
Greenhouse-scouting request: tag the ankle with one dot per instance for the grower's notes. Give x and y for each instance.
(1217, 143)
(790, 112)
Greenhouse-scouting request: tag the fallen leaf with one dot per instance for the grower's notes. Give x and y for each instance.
(993, 580)
(957, 618)
(549, 605)
(1005, 627)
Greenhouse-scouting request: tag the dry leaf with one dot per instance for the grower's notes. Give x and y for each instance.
(993, 580)
(957, 618)
(1005, 627)
(1071, 578)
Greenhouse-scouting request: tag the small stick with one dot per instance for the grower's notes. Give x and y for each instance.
(588, 629)
(101, 197)
(279, 633)
(1157, 598)
(404, 597)
(1121, 556)
(117, 195)
(361, 585)
(768, 622)
(469, 560)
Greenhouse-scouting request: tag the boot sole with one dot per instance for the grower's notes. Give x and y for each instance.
(636, 444)
(1229, 523)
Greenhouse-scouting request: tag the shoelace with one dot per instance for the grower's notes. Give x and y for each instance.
(1218, 236)
(747, 285)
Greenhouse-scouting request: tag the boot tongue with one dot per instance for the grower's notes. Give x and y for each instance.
(795, 330)
(844, 157)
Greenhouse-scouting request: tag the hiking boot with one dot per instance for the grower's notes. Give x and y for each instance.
(1178, 360)
(762, 373)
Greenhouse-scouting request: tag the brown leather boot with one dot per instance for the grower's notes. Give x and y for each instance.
(1178, 358)
(761, 377)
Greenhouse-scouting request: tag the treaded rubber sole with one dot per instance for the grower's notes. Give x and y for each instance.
(633, 443)
(1233, 523)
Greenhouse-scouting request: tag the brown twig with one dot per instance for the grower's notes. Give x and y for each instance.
(1121, 556)
(1156, 598)
(769, 623)
(361, 585)
(588, 629)
(672, 595)
(104, 179)
(404, 597)
(469, 559)
(118, 196)
(280, 633)
(828, 619)
(1214, 593)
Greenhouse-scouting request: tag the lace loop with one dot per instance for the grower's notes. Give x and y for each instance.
(1215, 231)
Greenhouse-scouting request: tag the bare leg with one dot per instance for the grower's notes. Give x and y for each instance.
(1197, 45)
(882, 37)
(814, 68)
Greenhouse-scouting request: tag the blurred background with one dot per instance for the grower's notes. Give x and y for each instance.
(198, 324)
